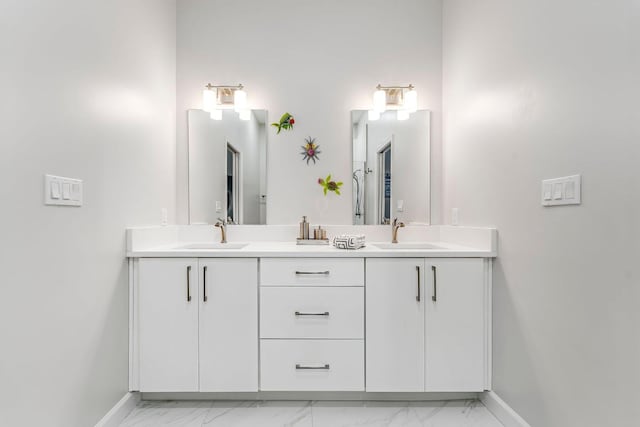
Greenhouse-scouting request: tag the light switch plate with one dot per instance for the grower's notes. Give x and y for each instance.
(562, 191)
(62, 191)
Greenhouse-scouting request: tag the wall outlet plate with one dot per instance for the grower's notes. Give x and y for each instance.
(455, 216)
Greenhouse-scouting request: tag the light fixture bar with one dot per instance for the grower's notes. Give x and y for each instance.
(380, 87)
(237, 87)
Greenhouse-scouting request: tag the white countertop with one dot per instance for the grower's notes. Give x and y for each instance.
(285, 249)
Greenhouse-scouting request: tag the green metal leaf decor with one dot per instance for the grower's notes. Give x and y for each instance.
(286, 122)
(329, 185)
(310, 150)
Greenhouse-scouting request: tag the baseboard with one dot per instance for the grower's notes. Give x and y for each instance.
(309, 395)
(120, 410)
(503, 412)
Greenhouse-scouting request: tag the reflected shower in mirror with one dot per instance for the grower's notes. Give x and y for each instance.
(227, 168)
(391, 174)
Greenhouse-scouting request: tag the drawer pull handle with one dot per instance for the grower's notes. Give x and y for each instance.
(307, 273)
(300, 313)
(434, 297)
(204, 284)
(307, 367)
(189, 283)
(418, 293)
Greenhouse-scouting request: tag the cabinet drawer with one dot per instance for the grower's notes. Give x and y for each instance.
(312, 272)
(312, 312)
(312, 365)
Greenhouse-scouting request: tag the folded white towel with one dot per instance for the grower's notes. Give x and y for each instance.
(349, 241)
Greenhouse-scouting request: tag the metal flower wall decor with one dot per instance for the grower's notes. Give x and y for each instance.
(329, 185)
(310, 150)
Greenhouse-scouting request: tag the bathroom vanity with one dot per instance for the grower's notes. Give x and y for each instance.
(272, 316)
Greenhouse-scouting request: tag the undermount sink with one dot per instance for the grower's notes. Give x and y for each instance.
(212, 245)
(409, 245)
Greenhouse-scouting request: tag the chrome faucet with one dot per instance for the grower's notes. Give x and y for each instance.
(394, 230)
(222, 225)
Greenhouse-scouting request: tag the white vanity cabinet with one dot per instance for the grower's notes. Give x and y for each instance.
(427, 324)
(391, 322)
(456, 324)
(395, 324)
(168, 324)
(228, 324)
(312, 324)
(195, 325)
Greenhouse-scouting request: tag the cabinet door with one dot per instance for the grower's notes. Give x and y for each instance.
(168, 322)
(455, 325)
(395, 325)
(228, 324)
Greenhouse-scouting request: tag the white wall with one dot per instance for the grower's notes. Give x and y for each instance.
(536, 90)
(87, 92)
(316, 60)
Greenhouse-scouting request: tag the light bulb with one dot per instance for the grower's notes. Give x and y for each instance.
(239, 100)
(216, 114)
(208, 100)
(379, 101)
(411, 101)
(403, 115)
(373, 115)
(244, 114)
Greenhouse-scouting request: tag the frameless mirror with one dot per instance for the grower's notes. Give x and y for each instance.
(390, 168)
(227, 167)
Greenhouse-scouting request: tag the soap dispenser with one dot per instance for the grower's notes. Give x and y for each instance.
(304, 229)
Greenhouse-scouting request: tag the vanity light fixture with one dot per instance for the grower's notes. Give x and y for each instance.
(379, 100)
(218, 98)
(404, 99)
(239, 99)
(411, 100)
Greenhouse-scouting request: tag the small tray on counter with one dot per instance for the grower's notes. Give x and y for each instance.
(311, 242)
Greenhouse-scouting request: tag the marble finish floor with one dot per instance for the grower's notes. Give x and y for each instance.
(458, 413)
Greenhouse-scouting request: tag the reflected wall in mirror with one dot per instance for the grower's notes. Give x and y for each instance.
(227, 168)
(391, 173)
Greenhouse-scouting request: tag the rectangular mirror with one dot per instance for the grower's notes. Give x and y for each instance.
(391, 173)
(227, 168)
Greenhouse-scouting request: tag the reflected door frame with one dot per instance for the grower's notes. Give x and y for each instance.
(236, 190)
(386, 147)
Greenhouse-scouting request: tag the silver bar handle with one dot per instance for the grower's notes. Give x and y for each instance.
(189, 283)
(434, 297)
(301, 313)
(204, 284)
(305, 273)
(418, 294)
(308, 367)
